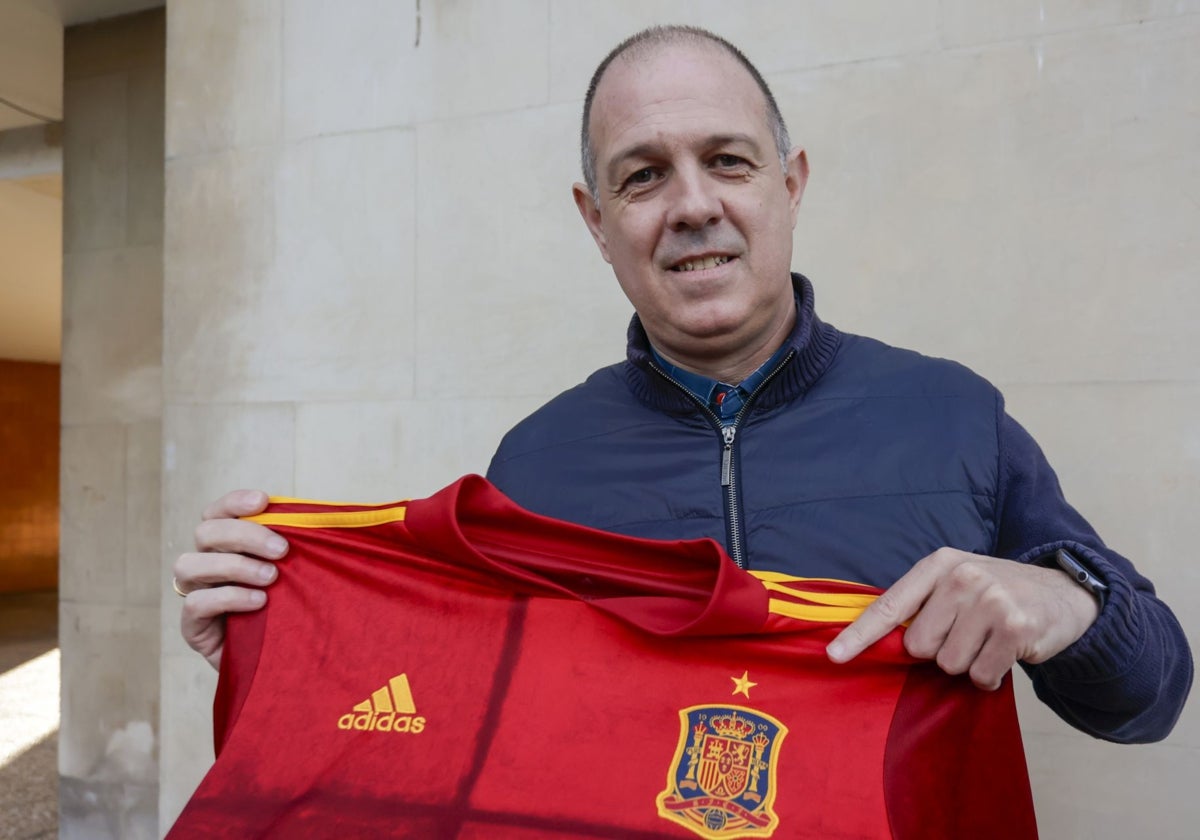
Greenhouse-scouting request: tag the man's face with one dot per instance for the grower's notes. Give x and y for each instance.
(695, 209)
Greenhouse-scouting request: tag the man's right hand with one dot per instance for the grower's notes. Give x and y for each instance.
(223, 574)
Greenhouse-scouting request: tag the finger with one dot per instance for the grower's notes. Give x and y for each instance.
(202, 619)
(995, 659)
(200, 571)
(885, 614)
(961, 648)
(1009, 630)
(204, 605)
(235, 536)
(891, 609)
(928, 631)
(988, 620)
(950, 627)
(235, 504)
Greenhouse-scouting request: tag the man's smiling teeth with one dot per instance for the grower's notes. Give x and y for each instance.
(706, 262)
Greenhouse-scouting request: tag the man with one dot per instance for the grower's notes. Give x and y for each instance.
(739, 415)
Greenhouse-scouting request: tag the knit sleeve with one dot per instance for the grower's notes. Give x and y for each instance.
(1127, 677)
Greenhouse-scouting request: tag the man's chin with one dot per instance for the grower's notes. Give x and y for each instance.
(710, 338)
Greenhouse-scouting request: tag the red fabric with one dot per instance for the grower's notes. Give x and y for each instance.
(554, 669)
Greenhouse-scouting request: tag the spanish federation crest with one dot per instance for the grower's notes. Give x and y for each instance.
(721, 783)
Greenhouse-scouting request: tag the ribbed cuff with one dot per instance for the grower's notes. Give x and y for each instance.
(1114, 642)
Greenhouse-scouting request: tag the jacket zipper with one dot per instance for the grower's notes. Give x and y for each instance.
(733, 513)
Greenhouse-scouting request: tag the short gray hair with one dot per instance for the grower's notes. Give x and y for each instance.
(643, 43)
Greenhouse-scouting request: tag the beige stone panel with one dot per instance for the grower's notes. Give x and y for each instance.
(95, 156)
(340, 296)
(1026, 210)
(143, 512)
(385, 451)
(219, 243)
(513, 298)
(378, 64)
(331, 316)
(220, 213)
(208, 451)
(144, 190)
(188, 686)
(110, 681)
(92, 514)
(976, 23)
(1088, 788)
(480, 56)
(223, 75)
(775, 34)
(1128, 458)
(349, 66)
(112, 335)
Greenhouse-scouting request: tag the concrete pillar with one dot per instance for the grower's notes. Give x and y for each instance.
(111, 427)
(373, 265)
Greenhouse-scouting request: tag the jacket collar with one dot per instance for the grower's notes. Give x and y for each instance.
(815, 344)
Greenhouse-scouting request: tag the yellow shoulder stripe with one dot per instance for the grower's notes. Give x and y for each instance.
(858, 600)
(332, 519)
(809, 605)
(292, 500)
(813, 612)
(780, 577)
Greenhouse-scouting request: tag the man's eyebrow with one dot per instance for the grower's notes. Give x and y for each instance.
(731, 139)
(652, 150)
(641, 150)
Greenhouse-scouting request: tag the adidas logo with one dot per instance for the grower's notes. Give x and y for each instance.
(390, 709)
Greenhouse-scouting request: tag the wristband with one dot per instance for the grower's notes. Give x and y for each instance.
(1079, 573)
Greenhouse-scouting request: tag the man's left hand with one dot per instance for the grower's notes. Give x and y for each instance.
(975, 615)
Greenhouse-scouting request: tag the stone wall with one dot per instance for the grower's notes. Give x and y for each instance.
(373, 264)
(111, 426)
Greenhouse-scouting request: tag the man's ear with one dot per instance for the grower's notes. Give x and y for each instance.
(591, 217)
(795, 177)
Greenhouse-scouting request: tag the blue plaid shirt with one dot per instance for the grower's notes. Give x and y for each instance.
(725, 400)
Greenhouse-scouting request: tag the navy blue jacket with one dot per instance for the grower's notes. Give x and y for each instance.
(852, 460)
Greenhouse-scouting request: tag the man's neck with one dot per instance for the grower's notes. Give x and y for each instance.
(733, 368)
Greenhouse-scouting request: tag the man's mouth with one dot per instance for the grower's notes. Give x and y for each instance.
(700, 263)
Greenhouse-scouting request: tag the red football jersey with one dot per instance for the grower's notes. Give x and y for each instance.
(457, 667)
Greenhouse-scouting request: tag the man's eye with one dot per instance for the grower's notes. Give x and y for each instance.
(728, 161)
(642, 176)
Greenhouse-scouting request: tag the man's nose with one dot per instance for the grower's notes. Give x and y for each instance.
(695, 202)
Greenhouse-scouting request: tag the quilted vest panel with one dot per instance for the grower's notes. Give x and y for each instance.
(887, 457)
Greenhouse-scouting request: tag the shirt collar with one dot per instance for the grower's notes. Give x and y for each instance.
(815, 345)
(709, 390)
(703, 387)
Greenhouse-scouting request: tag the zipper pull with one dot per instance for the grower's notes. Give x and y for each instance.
(727, 433)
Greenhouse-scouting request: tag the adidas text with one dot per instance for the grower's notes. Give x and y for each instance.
(385, 722)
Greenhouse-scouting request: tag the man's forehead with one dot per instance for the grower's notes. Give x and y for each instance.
(671, 70)
(664, 78)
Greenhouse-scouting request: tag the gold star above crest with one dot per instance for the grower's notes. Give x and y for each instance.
(742, 684)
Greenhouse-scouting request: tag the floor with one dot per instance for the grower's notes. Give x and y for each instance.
(29, 685)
